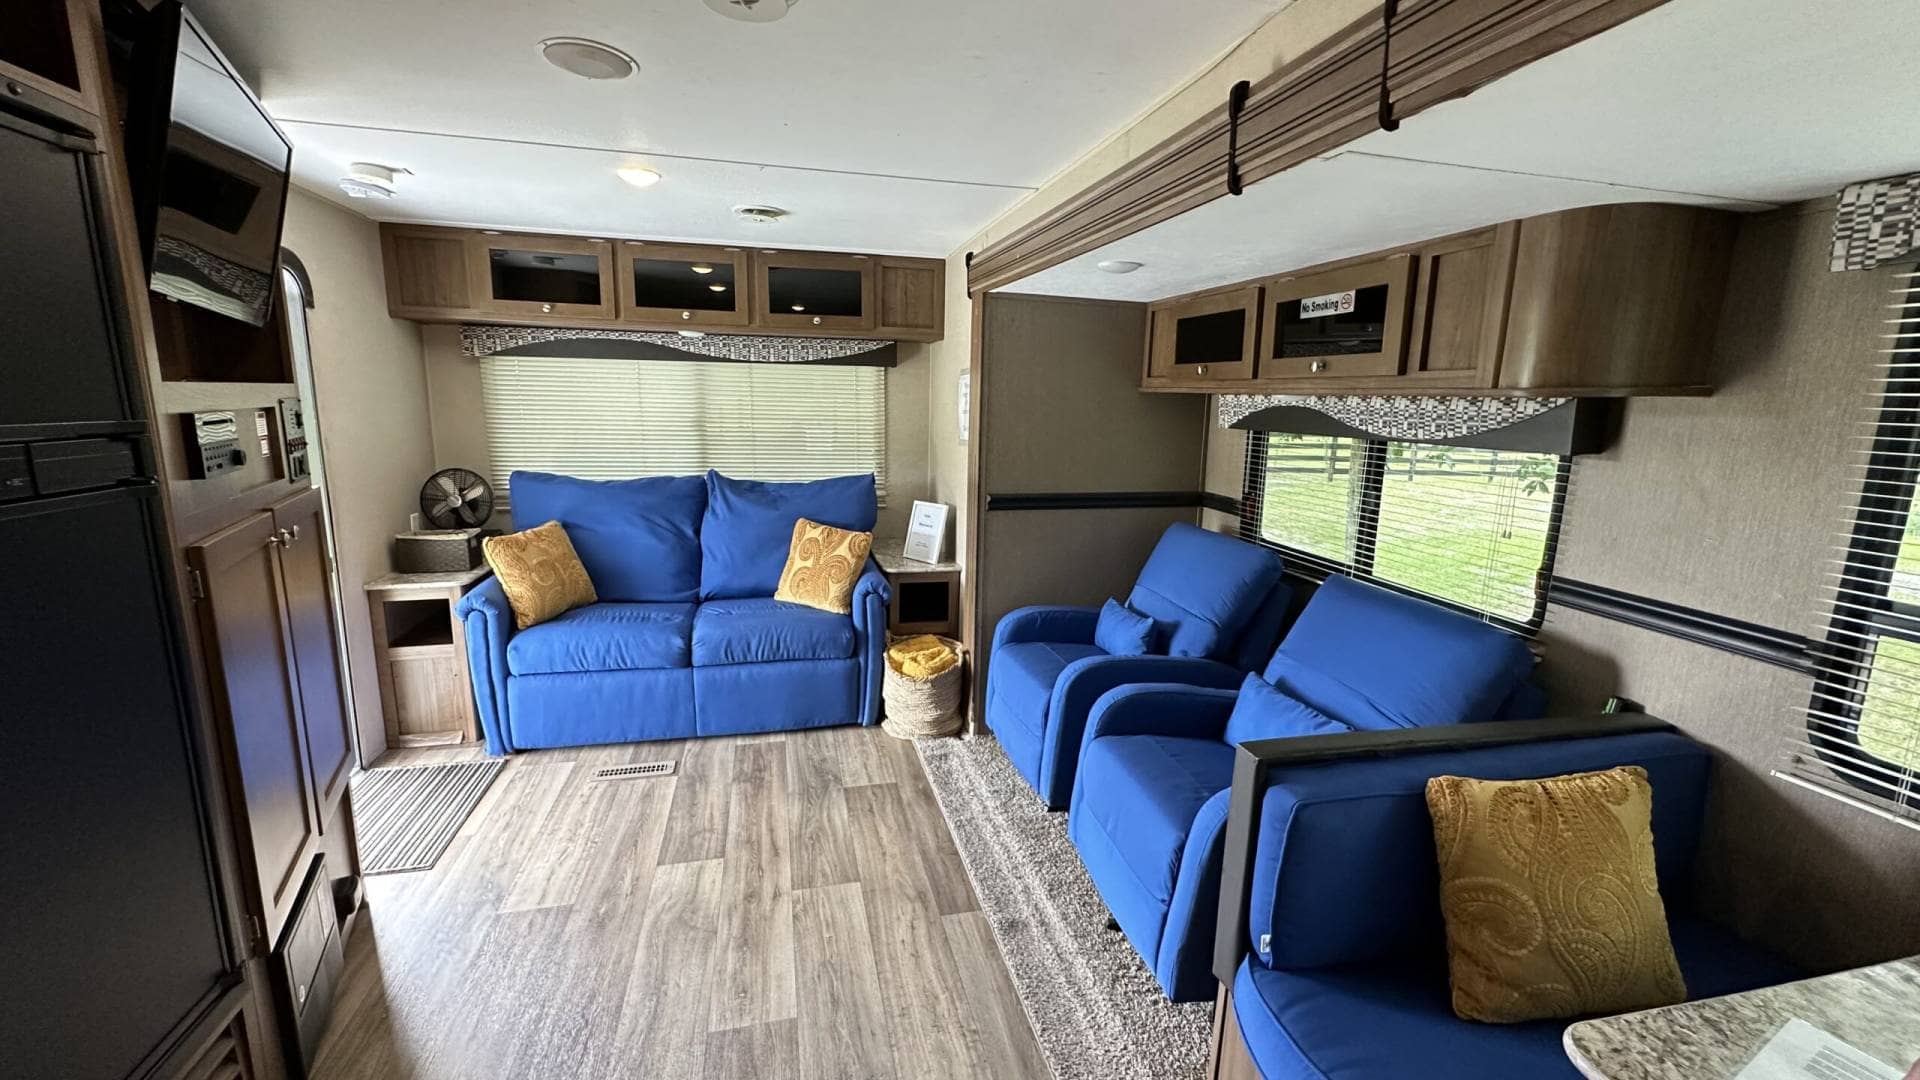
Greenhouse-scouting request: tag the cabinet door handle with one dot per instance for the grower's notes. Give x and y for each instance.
(1201, 370)
(293, 534)
(546, 309)
(278, 539)
(1318, 366)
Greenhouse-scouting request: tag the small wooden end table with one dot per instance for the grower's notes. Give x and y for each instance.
(420, 650)
(926, 596)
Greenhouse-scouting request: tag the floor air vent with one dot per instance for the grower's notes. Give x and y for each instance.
(634, 772)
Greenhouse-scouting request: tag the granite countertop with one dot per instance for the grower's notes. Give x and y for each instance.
(388, 582)
(1875, 1009)
(886, 552)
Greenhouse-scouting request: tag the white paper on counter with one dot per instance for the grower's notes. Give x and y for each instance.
(1800, 1051)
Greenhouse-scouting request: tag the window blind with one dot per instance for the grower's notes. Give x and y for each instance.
(613, 419)
(1861, 739)
(1474, 529)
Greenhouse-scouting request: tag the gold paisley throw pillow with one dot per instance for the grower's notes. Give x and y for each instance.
(822, 564)
(1549, 895)
(540, 573)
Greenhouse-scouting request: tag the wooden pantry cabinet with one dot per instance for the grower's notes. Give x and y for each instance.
(1607, 300)
(483, 276)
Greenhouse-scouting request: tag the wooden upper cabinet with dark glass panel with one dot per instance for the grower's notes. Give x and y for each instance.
(808, 290)
(1346, 322)
(1210, 337)
(684, 283)
(47, 56)
(547, 277)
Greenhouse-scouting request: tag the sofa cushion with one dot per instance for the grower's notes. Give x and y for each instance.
(1447, 668)
(762, 629)
(1023, 676)
(639, 539)
(1262, 712)
(748, 527)
(605, 637)
(823, 564)
(1123, 631)
(1366, 1021)
(1143, 792)
(540, 573)
(1203, 588)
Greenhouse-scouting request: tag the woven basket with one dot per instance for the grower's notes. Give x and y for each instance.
(924, 708)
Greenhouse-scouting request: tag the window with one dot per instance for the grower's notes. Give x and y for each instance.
(1474, 529)
(612, 419)
(1862, 736)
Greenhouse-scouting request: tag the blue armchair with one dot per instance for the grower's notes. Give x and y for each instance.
(1330, 933)
(1157, 760)
(1219, 603)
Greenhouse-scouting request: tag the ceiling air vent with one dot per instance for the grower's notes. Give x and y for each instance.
(759, 215)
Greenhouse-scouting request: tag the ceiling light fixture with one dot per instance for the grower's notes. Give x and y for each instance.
(759, 215)
(757, 11)
(638, 175)
(693, 333)
(701, 268)
(1118, 266)
(365, 180)
(587, 58)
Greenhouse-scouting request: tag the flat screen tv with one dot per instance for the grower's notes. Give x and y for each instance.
(210, 168)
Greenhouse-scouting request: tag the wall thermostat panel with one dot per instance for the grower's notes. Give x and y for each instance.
(212, 444)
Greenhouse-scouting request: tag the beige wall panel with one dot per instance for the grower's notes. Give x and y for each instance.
(1729, 503)
(373, 418)
(1063, 409)
(1823, 884)
(1226, 457)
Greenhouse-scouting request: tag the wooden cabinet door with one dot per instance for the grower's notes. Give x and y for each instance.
(1460, 307)
(1345, 322)
(313, 635)
(1208, 338)
(810, 290)
(913, 298)
(684, 285)
(542, 277)
(243, 625)
(427, 275)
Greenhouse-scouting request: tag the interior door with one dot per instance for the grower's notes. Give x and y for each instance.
(303, 568)
(242, 621)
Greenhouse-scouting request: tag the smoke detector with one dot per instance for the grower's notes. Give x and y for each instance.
(587, 58)
(759, 215)
(757, 11)
(365, 180)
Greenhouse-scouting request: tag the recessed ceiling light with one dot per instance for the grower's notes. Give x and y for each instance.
(638, 175)
(693, 333)
(717, 288)
(759, 11)
(1118, 266)
(701, 268)
(759, 215)
(587, 58)
(365, 180)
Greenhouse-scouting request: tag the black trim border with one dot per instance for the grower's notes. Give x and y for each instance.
(1100, 500)
(1752, 640)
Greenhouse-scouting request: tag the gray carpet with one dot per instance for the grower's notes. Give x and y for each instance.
(406, 817)
(1094, 1006)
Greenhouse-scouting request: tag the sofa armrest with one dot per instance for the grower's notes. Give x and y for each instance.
(872, 595)
(487, 619)
(1176, 709)
(1256, 762)
(1083, 683)
(1069, 625)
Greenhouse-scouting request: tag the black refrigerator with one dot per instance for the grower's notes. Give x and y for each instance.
(113, 933)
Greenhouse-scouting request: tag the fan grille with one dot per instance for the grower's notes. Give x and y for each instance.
(456, 499)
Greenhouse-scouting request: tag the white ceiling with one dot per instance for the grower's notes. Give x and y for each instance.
(882, 125)
(1738, 103)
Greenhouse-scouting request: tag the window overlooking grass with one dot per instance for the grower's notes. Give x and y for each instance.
(1470, 527)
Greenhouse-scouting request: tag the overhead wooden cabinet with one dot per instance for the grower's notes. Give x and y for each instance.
(1212, 336)
(688, 284)
(267, 633)
(559, 277)
(1606, 300)
(812, 290)
(427, 274)
(912, 298)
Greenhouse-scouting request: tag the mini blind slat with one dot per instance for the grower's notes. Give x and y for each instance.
(1470, 527)
(1857, 737)
(611, 419)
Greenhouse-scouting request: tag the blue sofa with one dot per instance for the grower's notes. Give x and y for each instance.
(1157, 760)
(686, 638)
(1219, 603)
(1339, 968)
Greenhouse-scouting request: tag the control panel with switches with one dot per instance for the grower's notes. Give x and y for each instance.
(212, 444)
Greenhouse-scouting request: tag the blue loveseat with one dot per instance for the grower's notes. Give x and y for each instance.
(1339, 969)
(686, 638)
(1157, 761)
(1218, 603)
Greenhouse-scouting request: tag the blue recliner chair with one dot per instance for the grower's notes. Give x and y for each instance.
(1219, 603)
(1157, 760)
(1338, 968)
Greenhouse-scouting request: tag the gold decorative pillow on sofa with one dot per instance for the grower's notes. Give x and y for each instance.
(822, 565)
(540, 572)
(1549, 895)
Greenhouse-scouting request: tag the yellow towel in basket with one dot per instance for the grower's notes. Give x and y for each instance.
(921, 658)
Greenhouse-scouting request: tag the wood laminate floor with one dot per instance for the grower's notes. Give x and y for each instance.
(785, 906)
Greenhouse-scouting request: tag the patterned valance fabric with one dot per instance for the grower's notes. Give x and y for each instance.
(1412, 418)
(495, 340)
(1876, 222)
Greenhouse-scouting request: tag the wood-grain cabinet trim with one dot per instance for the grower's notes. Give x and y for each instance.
(766, 262)
(633, 311)
(1165, 324)
(913, 298)
(1395, 272)
(1598, 301)
(480, 276)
